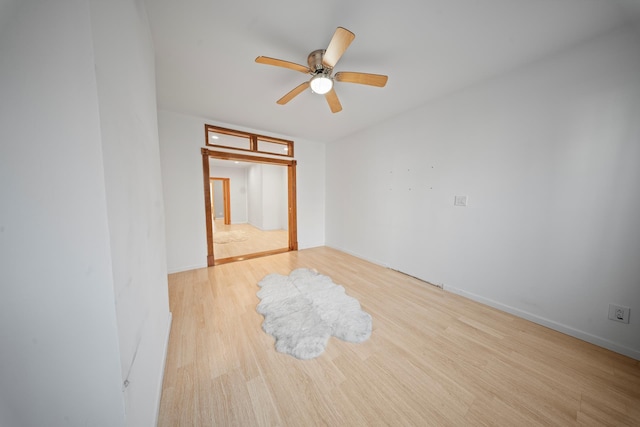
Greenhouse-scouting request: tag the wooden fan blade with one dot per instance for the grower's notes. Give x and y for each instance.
(280, 63)
(334, 102)
(292, 94)
(340, 41)
(361, 78)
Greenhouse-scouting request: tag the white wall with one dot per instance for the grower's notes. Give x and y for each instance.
(124, 63)
(59, 357)
(273, 202)
(66, 314)
(282, 196)
(254, 191)
(181, 137)
(237, 191)
(268, 197)
(549, 157)
(218, 199)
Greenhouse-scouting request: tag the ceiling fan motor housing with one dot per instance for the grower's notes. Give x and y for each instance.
(315, 62)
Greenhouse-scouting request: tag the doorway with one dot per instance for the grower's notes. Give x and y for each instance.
(266, 166)
(221, 199)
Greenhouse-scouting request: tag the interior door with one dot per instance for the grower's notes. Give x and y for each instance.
(221, 199)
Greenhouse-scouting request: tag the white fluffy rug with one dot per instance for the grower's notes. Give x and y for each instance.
(302, 310)
(224, 237)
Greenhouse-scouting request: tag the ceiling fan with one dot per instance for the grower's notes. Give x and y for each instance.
(321, 63)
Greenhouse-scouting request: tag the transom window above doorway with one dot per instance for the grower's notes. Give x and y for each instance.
(247, 141)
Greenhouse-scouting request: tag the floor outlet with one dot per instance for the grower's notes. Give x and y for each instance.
(619, 313)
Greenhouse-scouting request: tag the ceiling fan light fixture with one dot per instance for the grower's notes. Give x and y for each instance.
(321, 84)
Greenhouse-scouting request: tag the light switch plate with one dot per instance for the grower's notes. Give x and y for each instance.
(460, 201)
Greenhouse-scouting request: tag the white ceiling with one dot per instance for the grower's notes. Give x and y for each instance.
(205, 52)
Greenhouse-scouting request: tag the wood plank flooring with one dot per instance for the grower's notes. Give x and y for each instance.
(433, 359)
(253, 240)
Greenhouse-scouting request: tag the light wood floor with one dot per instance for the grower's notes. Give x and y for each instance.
(434, 359)
(255, 240)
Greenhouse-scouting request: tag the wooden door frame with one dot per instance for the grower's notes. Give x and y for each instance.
(226, 198)
(292, 209)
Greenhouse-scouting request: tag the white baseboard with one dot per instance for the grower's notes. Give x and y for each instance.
(357, 255)
(309, 245)
(584, 336)
(187, 268)
(164, 363)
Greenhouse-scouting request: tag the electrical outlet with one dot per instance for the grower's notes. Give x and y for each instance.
(619, 313)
